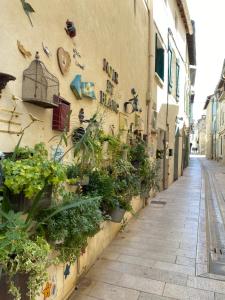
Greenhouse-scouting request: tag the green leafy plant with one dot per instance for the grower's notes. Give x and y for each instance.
(70, 229)
(21, 254)
(30, 173)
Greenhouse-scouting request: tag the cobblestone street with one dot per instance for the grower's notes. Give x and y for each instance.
(162, 253)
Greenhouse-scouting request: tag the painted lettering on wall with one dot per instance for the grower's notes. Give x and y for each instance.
(108, 102)
(113, 75)
(106, 97)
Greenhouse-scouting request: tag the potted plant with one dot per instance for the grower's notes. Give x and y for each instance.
(29, 174)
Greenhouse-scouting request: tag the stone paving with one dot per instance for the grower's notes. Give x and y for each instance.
(160, 252)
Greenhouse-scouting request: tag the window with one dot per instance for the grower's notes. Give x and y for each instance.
(159, 58)
(177, 79)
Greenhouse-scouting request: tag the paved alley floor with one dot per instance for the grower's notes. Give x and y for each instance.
(161, 252)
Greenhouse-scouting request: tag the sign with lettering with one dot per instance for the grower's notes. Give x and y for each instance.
(113, 75)
(106, 97)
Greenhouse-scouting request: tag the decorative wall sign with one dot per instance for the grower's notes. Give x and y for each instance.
(23, 51)
(28, 9)
(82, 89)
(113, 75)
(67, 271)
(70, 28)
(64, 60)
(47, 290)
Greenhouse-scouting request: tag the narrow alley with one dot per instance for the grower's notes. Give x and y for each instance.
(162, 253)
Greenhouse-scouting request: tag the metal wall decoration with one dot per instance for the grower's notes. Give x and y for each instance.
(133, 103)
(82, 89)
(4, 79)
(81, 117)
(75, 55)
(77, 134)
(23, 51)
(46, 50)
(108, 102)
(64, 60)
(61, 114)
(28, 9)
(39, 85)
(70, 29)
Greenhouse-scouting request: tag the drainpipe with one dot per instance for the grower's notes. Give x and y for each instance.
(150, 69)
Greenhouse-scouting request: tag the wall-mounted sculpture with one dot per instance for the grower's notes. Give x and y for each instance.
(70, 29)
(28, 9)
(82, 89)
(4, 79)
(64, 60)
(133, 103)
(23, 51)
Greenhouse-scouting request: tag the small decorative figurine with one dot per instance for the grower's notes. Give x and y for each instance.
(67, 270)
(70, 28)
(28, 9)
(81, 117)
(133, 102)
(47, 290)
(46, 50)
(23, 51)
(75, 55)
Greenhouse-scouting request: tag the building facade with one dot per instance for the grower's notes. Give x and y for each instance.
(175, 54)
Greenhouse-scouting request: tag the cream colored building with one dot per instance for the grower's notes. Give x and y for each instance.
(175, 45)
(201, 135)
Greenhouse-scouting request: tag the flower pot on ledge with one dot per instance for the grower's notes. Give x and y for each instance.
(117, 214)
(20, 203)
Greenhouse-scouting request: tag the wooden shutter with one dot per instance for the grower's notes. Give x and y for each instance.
(61, 116)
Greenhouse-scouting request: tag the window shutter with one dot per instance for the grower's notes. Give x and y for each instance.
(159, 60)
(61, 116)
(170, 81)
(177, 79)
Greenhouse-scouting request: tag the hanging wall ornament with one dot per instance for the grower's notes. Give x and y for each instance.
(70, 28)
(75, 55)
(23, 51)
(46, 50)
(28, 9)
(64, 60)
(67, 271)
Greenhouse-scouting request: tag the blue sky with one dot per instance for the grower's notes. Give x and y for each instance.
(210, 42)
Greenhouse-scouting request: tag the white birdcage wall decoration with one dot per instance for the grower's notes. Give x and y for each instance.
(39, 85)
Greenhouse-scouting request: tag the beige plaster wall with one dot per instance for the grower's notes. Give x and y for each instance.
(115, 31)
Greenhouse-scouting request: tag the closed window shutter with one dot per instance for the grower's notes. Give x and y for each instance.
(159, 59)
(170, 81)
(177, 79)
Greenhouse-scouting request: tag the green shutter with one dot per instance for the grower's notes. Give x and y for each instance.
(177, 79)
(159, 60)
(170, 59)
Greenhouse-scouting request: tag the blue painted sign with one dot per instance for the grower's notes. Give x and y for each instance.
(82, 89)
